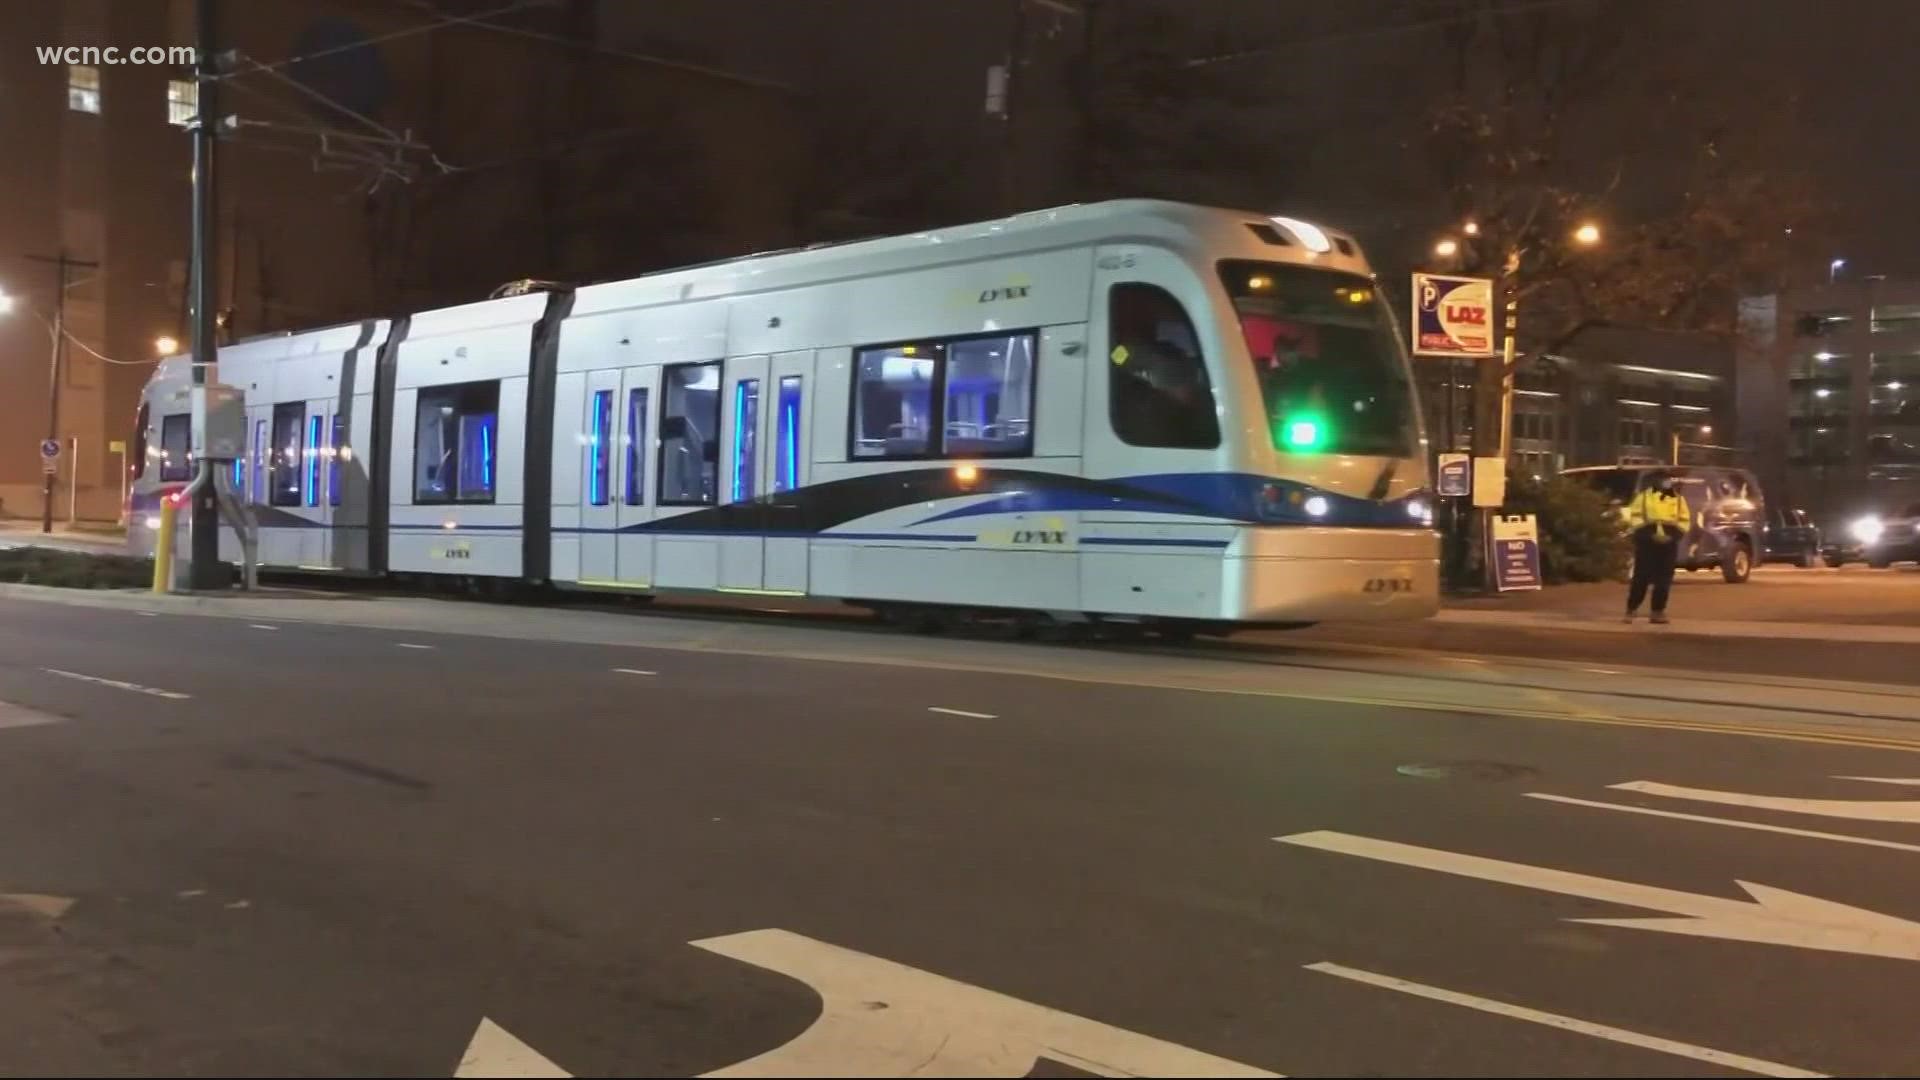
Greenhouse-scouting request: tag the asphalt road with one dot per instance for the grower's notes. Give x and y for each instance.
(274, 849)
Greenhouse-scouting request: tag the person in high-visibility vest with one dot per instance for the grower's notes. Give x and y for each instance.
(1659, 517)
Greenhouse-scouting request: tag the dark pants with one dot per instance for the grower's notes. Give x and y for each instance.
(1652, 565)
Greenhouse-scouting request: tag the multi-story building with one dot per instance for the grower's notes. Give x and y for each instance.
(1831, 391)
(1609, 396)
(388, 158)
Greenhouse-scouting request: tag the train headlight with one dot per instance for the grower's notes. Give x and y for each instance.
(1867, 529)
(1421, 511)
(1315, 506)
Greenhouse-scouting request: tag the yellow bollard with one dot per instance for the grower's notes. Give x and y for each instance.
(163, 546)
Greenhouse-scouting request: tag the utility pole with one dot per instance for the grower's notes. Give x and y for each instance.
(204, 569)
(56, 365)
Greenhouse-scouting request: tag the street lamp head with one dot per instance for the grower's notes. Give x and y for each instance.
(166, 345)
(6, 302)
(1706, 429)
(1587, 235)
(1446, 248)
(1471, 228)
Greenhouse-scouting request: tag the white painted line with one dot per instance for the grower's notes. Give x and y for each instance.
(410, 645)
(1896, 810)
(936, 1026)
(633, 671)
(261, 626)
(1773, 917)
(962, 712)
(1755, 825)
(148, 614)
(150, 691)
(1901, 780)
(1565, 1023)
(1599, 671)
(493, 1051)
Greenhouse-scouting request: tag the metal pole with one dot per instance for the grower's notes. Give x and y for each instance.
(122, 459)
(204, 569)
(73, 481)
(53, 395)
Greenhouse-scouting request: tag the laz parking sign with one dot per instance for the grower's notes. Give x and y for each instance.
(1452, 316)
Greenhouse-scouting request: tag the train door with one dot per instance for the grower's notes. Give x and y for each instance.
(633, 547)
(599, 504)
(316, 536)
(785, 433)
(744, 407)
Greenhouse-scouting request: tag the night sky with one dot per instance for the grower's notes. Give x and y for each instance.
(1347, 94)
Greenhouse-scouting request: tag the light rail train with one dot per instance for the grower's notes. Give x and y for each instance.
(1132, 411)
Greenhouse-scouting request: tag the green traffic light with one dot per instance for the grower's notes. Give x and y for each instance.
(1303, 433)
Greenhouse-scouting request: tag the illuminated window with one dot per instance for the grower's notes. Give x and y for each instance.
(786, 461)
(600, 449)
(455, 441)
(636, 447)
(176, 440)
(311, 461)
(83, 88)
(961, 397)
(746, 443)
(287, 453)
(183, 101)
(336, 455)
(689, 435)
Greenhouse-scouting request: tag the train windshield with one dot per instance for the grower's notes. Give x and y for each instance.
(1327, 358)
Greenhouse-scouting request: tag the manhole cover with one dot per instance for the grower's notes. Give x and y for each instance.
(1466, 770)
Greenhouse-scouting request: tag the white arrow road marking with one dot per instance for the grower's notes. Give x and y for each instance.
(1904, 811)
(1901, 780)
(1755, 825)
(1773, 917)
(1564, 1023)
(150, 691)
(879, 1018)
(494, 1052)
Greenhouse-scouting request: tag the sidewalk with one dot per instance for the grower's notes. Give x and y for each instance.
(1713, 628)
(20, 532)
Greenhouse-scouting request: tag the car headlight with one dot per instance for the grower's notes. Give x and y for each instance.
(1421, 511)
(1867, 529)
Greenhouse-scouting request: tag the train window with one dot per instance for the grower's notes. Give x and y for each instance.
(636, 447)
(988, 409)
(893, 401)
(311, 460)
(176, 448)
(261, 447)
(140, 422)
(746, 441)
(961, 397)
(455, 440)
(690, 435)
(286, 454)
(600, 449)
(336, 456)
(1328, 359)
(1158, 393)
(786, 436)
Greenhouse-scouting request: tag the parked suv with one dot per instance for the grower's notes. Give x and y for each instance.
(1791, 536)
(1729, 510)
(1891, 539)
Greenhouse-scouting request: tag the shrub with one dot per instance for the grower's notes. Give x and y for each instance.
(1579, 538)
(74, 569)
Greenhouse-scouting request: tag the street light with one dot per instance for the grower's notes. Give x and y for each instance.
(1471, 228)
(1447, 248)
(6, 302)
(1834, 268)
(1587, 235)
(166, 345)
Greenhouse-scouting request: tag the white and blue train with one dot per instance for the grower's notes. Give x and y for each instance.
(1132, 411)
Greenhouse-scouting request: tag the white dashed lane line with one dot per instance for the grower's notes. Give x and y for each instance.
(150, 691)
(410, 645)
(632, 671)
(962, 712)
(260, 626)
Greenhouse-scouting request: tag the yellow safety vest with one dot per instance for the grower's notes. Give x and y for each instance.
(1650, 507)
